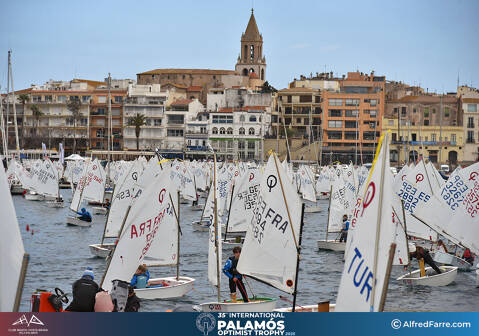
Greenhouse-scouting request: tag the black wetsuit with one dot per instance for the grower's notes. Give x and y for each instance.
(424, 254)
(84, 292)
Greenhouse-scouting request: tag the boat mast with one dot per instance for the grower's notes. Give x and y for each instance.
(4, 140)
(329, 210)
(21, 281)
(109, 129)
(298, 257)
(229, 211)
(216, 230)
(10, 75)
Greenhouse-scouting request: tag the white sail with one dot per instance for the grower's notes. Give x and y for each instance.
(122, 198)
(164, 249)
(307, 184)
(94, 186)
(46, 179)
(11, 248)
(183, 178)
(270, 249)
(212, 254)
(146, 216)
(78, 194)
(339, 206)
(245, 196)
(369, 252)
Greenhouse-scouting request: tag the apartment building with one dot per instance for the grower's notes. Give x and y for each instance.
(470, 110)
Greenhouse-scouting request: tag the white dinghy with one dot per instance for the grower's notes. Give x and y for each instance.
(451, 260)
(431, 278)
(99, 210)
(312, 209)
(332, 245)
(33, 196)
(101, 250)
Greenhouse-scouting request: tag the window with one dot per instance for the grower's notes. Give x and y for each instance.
(403, 110)
(350, 135)
(335, 113)
(471, 107)
(390, 122)
(147, 122)
(335, 102)
(334, 135)
(250, 145)
(85, 99)
(470, 137)
(222, 130)
(101, 111)
(305, 99)
(368, 135)
(241, 118)
(48, 98)
(229, 130)
(251, 52)
(252, 119)
(351, 113)
(61, 99)
(298, 120)
(174, 133)
(446, 112)
(177, 119)
(426, 122)
(433, 110)
(373, 102)
(335, 124)
(352, 102)
(414, 110)
(102, 99)
(316, 121)
(350, 124)
(99, 133)
(426, 112)
(241, 131)
(118, 99)
(433, 137)
(453, 139)
(215, 130)
(470, 122)
(251, 131)
(290, 99)
(157, 122)
(222, 119)
(241, 145)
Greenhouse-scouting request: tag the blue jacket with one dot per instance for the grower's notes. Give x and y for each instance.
(230, 268)
(134, 280)
(84, 216)
(346, 226)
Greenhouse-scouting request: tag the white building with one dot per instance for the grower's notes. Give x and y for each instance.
(147, 100)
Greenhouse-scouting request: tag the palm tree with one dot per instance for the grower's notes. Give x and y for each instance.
(23, 99)
(138, 120)
(74, 106)
(37, 113)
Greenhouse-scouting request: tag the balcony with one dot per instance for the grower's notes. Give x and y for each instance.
(470, 140)
(470, 125)
(197, 148)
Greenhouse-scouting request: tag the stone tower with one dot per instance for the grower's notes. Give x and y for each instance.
(251, 59)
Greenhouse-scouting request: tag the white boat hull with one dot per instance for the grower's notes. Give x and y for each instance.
(332, 245)
(232, 242)
(259, 305)
(55, 204)
(33, 197)
(200, 226)
(77, 222)
(101, 251)
(312, 209)
(99, 210)
(451, 260)
(198, 207)
(175, 288)
(431, 279)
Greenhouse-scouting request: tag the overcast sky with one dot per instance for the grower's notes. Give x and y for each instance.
(418, 42)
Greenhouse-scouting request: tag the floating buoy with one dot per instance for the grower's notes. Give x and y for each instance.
(28, 227)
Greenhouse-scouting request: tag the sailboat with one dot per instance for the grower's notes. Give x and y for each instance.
(14, 260)
(271, 249)
(165, 251)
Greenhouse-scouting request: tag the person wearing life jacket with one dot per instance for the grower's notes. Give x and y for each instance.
(344, 230)
(441, 246)
(235, 278)
(141, 277)
(133, 302)
(467, 256)
(84, 292)
(422, 253)
(84, 215)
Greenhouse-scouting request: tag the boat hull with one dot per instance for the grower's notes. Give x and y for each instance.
(175, 288)
(33, 197)
(451, 260)
(101, 251)
(331, 245)
(99, 210)
(312, 209)
(196, 207)
(55, 204)
(431, 279)
(255, 305)
(16, 189)
(77, 222)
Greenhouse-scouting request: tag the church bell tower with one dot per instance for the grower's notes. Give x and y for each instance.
(251, 59)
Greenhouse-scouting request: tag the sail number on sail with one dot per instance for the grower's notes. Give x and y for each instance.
(411, 197)
(362, 282)
(471, 202)
(264, 215)
(249, 196)
(454, 191)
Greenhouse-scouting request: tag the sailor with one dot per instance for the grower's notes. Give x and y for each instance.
(84, 292)
(235, 278)
(441, 246)
(107, 204)
(422, 253)
(141, 277)
(344, 230)
(84, 215)
(133, 302)
(467, 256)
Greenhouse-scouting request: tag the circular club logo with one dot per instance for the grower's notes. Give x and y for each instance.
(206, 323)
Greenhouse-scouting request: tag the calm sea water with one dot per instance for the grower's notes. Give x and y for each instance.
(59, 254)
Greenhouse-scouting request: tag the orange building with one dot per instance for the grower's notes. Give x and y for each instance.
(351, 118)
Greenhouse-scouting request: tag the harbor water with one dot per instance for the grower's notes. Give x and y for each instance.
(59, 254)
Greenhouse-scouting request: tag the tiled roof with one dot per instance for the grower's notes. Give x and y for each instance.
(195, 88)
(189, 72)
(182, 102)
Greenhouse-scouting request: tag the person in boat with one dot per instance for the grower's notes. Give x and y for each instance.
(467, 256)
(133, 302)
(107, 204)
(59, 199)
(84, 293)
(441, 246)
(344, 230)
(84, 215)
(141, 277)
(235, 278)
(422, 253)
